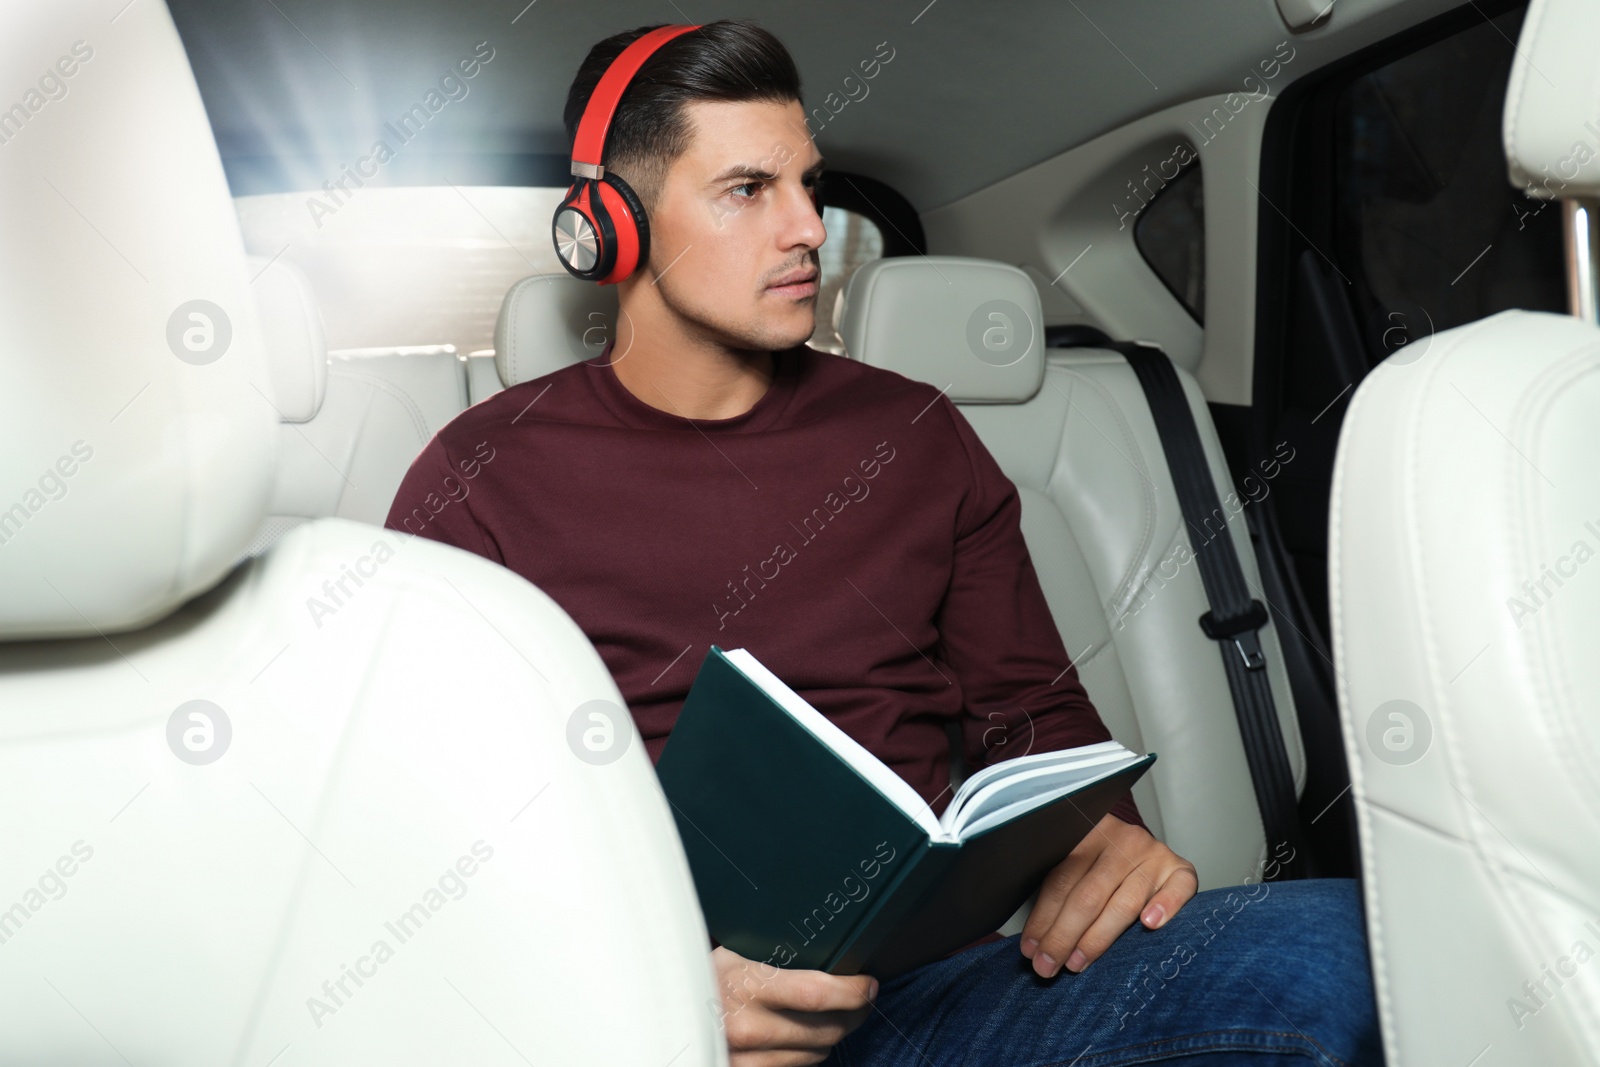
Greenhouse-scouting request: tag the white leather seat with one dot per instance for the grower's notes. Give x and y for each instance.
(398, 771)
(483, 380)
(550, 321)
(1465, 602)
(350, 425)
(1072, 429)
(1466, 618)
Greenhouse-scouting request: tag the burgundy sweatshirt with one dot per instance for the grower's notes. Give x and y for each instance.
(850, 530)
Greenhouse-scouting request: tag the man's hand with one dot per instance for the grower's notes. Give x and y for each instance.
(779, 1018)
(1117, 874)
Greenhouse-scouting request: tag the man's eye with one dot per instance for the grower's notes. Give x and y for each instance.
(746, 185)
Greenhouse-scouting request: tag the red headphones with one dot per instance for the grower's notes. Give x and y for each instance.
(600, 231)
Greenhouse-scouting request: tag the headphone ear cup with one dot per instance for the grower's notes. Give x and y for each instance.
(632, 232)
(584, 237)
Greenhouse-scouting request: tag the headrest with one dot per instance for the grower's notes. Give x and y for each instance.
(550, 321)
(970, 326)
(1552, 116)
(136, 446)
(292, 336)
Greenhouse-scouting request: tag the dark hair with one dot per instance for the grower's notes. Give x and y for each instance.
(726, 60)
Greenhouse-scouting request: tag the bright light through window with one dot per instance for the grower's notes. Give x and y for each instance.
(411, 265)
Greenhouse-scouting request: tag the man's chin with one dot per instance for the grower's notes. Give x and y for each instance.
(800, 331)
(777, 337)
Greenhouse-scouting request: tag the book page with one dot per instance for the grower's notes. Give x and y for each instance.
(893, 787)
(1033, 775)
(1063, 756)
(1004, 800)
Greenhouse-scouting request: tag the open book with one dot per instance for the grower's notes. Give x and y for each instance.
(808, 851)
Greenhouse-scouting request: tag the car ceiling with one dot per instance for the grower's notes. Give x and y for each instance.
(973, 92)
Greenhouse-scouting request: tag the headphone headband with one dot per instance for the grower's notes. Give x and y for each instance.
(600, 230)
(588, 147)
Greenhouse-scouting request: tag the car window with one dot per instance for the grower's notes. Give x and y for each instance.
(1425, 224)
(415, 265)
(1385, 217)
(1170, 234)
(853, 239)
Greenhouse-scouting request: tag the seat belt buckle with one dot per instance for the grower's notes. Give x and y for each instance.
(1242, 631)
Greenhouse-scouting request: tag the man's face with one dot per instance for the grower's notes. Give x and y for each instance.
(734, 217)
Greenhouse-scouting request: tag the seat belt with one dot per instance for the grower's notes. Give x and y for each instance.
(1235, 616)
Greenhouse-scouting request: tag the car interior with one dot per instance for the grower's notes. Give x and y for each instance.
(1301, 394)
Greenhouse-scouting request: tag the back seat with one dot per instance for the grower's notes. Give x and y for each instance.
(1070, 427)
(1073, 431)
(350, 424)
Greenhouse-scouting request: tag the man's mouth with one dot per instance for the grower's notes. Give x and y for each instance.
(796, 283)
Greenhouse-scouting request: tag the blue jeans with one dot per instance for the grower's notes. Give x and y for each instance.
(1258, 975)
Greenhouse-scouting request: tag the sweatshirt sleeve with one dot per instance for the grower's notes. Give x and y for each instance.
(434, 501)
(1021, 691)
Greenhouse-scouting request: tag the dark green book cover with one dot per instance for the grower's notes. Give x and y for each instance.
(800, 861)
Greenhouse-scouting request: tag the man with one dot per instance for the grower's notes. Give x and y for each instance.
(712, 479)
